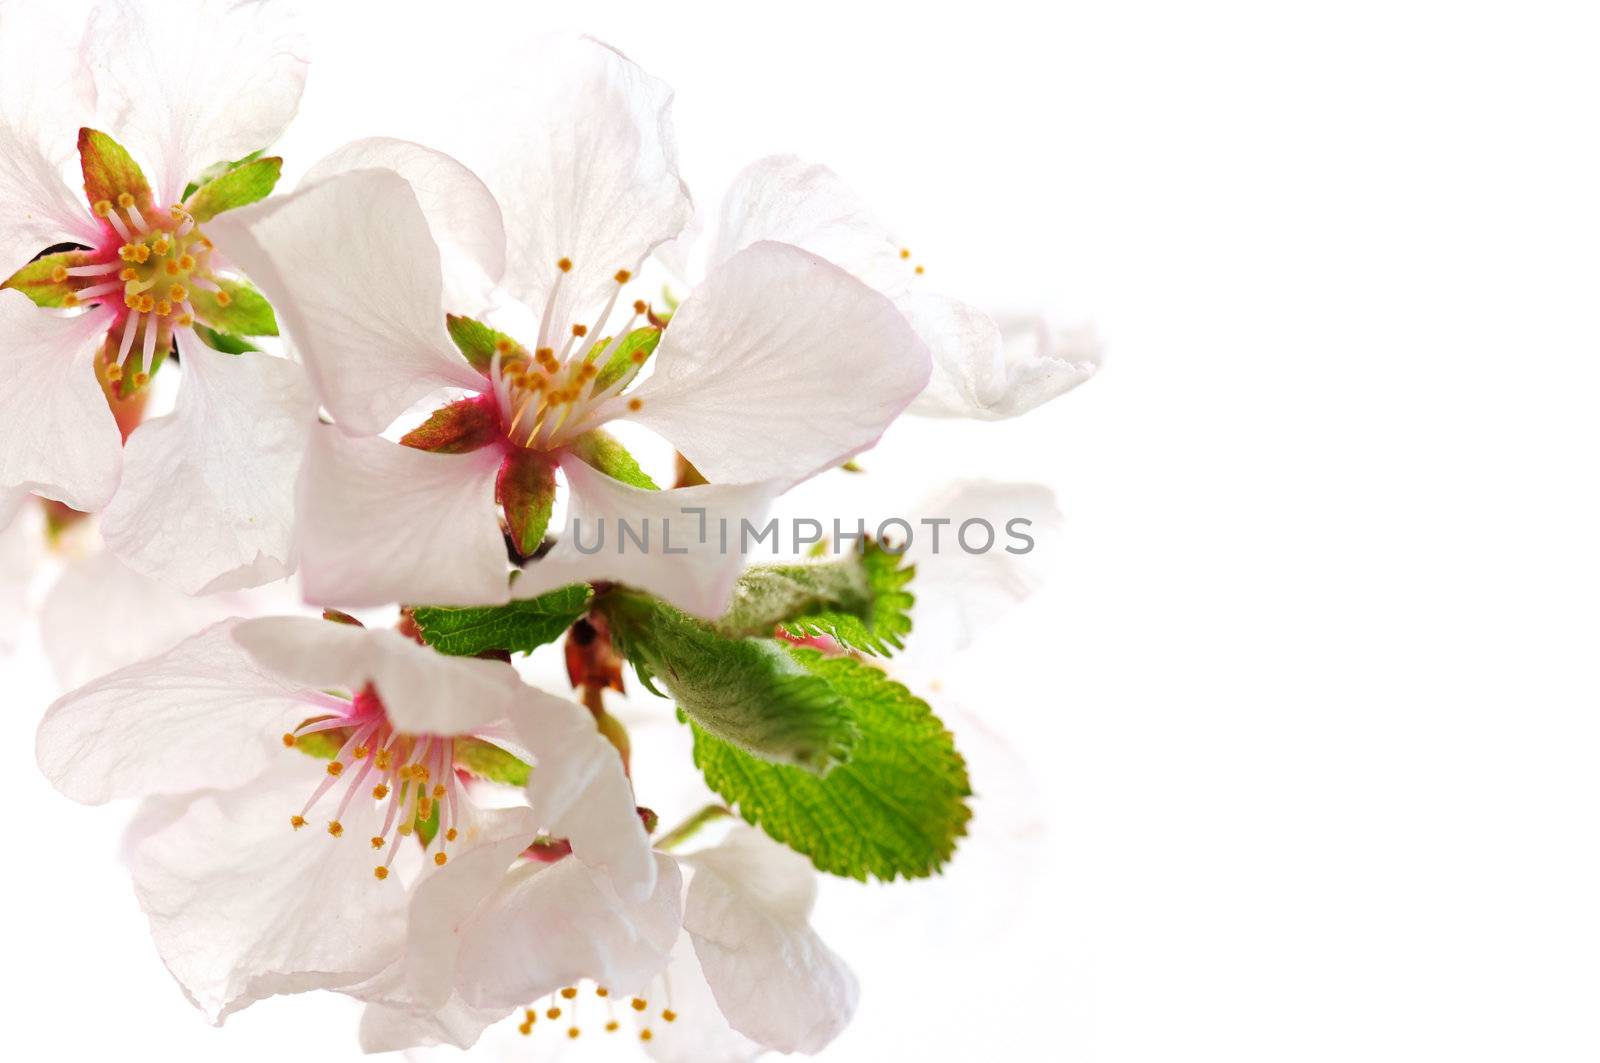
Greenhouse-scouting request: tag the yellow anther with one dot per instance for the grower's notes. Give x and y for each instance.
(377, 842)
(102, 207)
(172, 268)
(163, 308)
(638, 1004)
(645, 1035)
(206, 242)
(70, 299)
(141, 254)
(186, 263)
(420, 772)
(125, 200)
(130, 300)
(334, 767)
(572, 1032)
(140, 379)
(525, 1029)
(635, 405)
(336, 829)
(553, 1013)
(589, 371)
(379, 792)
(127, 252)
(406, 829)
(639, 357)
(361, 752)
(502, 345)
(529, 1015)
(161, 246)
(601, 991)
(623, 276)
(438, 790)
(640, 306)
(129, 274)
(611, 1026)
(580, 330)
(905, 252)
(668, 1014)
(569, 992)
(185, 320)
(450, 835)
(288, 740)
(146, 304)
(58, 275)
(223, 298)
(113, 373)
(297, 822)
(440, 859)
(177, 293)
(564, 265)
(384, 759)
(919, 271)
(380, 873)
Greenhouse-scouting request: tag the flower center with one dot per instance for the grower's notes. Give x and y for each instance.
(568, 1005)
(551, 396)
(410, 780)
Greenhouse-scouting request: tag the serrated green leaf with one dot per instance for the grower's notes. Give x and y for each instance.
(631, 352)
(600, 450)
(748, 692)
(488, 761)
(859, 599)
(518, 627)
(240, 310)
(896, 808)
(477, 341)
(238, 187)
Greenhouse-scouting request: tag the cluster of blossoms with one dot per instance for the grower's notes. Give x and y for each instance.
(388, 809)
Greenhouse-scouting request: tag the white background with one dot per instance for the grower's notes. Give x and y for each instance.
(1302, 735)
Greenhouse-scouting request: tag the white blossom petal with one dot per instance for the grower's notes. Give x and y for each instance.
(587, 170)
(778, 366)
(352, 269)
(423, 692)
(207, 496)
(748, 911)
(242, 907)
(992, 369)
(461, 211)
(381, 523)
(700, 1034)
(185, 86)
(57, 435)
(579, 791)
(201, 715)
(789, 200)
(694, 552)
(389, 1028)
(551, 925)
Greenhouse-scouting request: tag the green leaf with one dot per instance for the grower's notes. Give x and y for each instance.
(632, 352)
(462, 426)
(226, 342)
(859, 599)
(896, 808)
(518, 627)
(526, 488)
(478, 342)
(600, 450)
(37, 280)
(239, 309)
(238, 187)
(109, 171)
(748, 692)
(488, 761)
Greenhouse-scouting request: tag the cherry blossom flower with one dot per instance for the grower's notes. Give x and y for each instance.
(113, 269)
(984, 367)
(265, 870)
(778, 366)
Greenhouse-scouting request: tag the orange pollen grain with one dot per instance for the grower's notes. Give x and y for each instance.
(635, 405)
(623, 276)
(564, 265)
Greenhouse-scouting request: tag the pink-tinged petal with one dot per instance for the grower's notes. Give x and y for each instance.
(700, 1034)
(551, 925)
(207, 496)
(388, 1028)
(748, 911)
(461, 211)
(352, 269)
(423, 692)
(201, 715)
(579, 791)
(778, 366)
(242, 908)
(587, 171)
(185, 86)
(382, 523)
(791, 201)
(992, 369)
(694, 550)
(22, 549)
(57, 435)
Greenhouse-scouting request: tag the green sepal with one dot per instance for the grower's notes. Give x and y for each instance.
(465, 425)
(36, 282)
(485, 760)
(477, 342)
(226, 342)
(751, 693)
(896, 808)
(216, 170)
(623, 360)
(600, 450)
(109, 171)
(323, 745)
(247, 312)
(427, 829)
(526, 490)
(859, 599)
(238, 187)
(517, 627)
